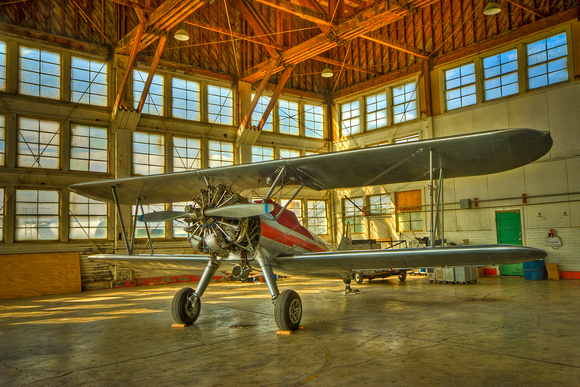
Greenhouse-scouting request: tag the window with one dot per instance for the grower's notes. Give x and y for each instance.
(259, 112)
(350, 118)
(88, 81)
(460, 86)
(38, 143)
(500, 75)
(317, 221)
(156, 229)
(2, 66)
(288, 117)
(221, 153)
(314, 121)
(411, 138)
(39, 73)
(295, 206)
(220, 105)
(36, 215)
(547, 61)
(353, 215)
(148, 153)
(289, 153)
(87, 219)
(186, 97)
(380, 204)
(89, 148)
(262, 153)
(409, 215)
(405, 102)
(376, 110)
(186, 154)
(154, 101)
(178, 224)
(2, 205)
(2, 140)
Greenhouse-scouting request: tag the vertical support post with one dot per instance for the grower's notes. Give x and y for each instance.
(135, 224)
(432, 230)
(147, 230)
(124, 232)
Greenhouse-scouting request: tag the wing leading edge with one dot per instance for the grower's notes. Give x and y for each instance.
(466, 155)
(335, 263)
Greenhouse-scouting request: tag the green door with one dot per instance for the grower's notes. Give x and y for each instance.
(509, 231)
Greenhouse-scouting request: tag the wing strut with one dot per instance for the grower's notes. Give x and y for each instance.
(123, 230)
(275, 183)
(289, 201)
(437, 223)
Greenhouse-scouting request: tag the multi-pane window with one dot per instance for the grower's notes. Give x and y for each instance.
(411, 138)
(409, 215)
(186, 153)
(2, 214)
(2, 66)
(148, 153)
(38, 143)
(87, 219)
(154, 101)
(547, 61)
(404, 102)
(221, 153)
(376, 110)
(2, 140)
(353, 215)
(39, 73)
(313, 121)
(460, 86)
(88, 81)
(259, 112)
(317, 220)
(262, 153)
(380, 204)
(186, 99)
(88, 148)
(220, 105)
(178, 224)
(500, 75)
(295, 206)
(289, 153)
(288, 117)
(36, 215)
(156, 229)
(350, 118)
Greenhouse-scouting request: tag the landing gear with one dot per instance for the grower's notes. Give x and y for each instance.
(403, 276)
(185, 306)
(358, 277)
(288, 310)
(347, 288)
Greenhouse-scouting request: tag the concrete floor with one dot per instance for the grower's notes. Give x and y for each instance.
(500, 331)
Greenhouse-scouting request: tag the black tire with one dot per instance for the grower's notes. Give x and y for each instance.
(403, 276)
(288, 310)
(182, 310)
(358, 277)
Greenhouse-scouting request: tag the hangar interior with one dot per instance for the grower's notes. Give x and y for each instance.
(102, 89)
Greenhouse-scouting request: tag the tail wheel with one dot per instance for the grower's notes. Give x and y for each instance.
(403, 276)
(183, 310)
(288, 310)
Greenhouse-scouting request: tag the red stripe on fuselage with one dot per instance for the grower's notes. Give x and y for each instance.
(289, 240)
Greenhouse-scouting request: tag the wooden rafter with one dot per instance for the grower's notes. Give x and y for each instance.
(281, 82)
(527, 8)
(121, 87)
(302, 12)
(259, 25)
(390, 42)
(154, 65)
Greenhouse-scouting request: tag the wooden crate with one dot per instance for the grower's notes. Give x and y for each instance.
(28, 275)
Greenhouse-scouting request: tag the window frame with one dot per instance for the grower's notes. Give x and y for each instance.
(92, 84)
(23, 145)
(87, 231)
(44, 90)
(150, 106)
(48, 216)
(315, 225)
(158, 168)
(91, 140)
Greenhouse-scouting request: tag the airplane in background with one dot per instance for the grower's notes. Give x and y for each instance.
(227, 230)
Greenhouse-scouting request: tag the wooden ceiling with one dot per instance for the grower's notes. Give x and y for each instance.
(361, 41)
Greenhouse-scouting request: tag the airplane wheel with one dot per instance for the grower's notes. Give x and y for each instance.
(403, 276)
(288, 310)
(358, 277)
(182, 310)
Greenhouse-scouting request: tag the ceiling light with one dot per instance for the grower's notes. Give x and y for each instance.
(491, 9)
(181, 34)
(327, 72)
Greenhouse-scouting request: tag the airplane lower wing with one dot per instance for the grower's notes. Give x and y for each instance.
(162, 264)
(335, 263)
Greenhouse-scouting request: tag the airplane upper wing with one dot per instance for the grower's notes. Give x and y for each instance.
(466, 155)
(334, 263)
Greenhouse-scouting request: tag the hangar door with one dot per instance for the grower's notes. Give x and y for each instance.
(509, 231)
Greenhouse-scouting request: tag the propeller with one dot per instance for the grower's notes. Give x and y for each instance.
(233, 211)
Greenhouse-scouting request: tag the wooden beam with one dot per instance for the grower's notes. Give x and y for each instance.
(301, 12)
(154, 65)
(281, 82)
(259, 92)
(527, 8)
(390, 42)
(259, 25)
(121, 88)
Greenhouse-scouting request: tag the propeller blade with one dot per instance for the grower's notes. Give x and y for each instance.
(240, 210)
(162, 216)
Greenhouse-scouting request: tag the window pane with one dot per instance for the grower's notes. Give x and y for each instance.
(547, 61)
(220, 153)
(186, 99)
(156, 229)
(220, 105)
(317, 220)
(88, 81)
(186, 153)
(288, 117)
(376, 110)
(38, 143)
(314, 121)
(148, 153)
(2, 66)
(2, 141)
(262, 153)
(350, 118)
(500, 74)
(263, 102)
(405, 103)
(460, 86)
(37, 215)
(39, 73)
(154, 101)
(89, 148)
(87, 218)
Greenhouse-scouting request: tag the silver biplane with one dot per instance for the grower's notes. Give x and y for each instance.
(227, 230)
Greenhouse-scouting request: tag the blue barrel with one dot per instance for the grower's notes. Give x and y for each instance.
(535, 270)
